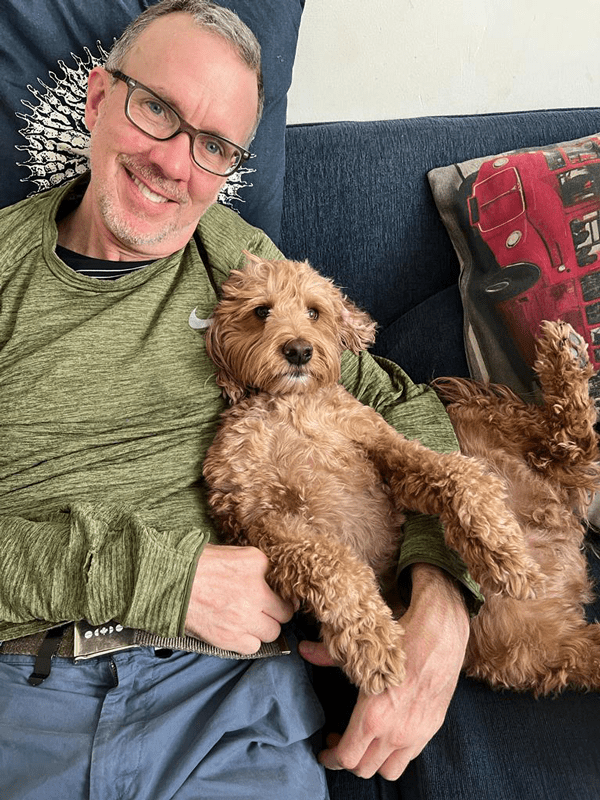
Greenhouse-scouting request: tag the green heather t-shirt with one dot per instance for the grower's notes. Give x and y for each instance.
(107, 406)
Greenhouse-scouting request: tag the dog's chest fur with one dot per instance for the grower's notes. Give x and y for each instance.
(299, 455)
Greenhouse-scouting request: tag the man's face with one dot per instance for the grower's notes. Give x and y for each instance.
(146, 196)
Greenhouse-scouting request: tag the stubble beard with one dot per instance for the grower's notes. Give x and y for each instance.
(127, 231)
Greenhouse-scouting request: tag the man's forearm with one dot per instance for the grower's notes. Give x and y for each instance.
(94, 563)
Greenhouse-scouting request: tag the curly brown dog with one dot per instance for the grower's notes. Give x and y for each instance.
(319, 482)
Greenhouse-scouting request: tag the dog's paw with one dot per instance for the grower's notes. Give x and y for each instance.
(560, 341)
(500, 564)
(520, 586)
(377, 663)
(492, 544)
(371, 656)
(389, 673)
(510, 575)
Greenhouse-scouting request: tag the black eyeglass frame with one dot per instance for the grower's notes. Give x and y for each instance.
(184, 127)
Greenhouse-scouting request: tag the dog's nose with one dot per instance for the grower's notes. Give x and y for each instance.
(297, 351)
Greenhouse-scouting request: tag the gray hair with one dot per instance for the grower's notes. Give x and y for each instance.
(208, 16)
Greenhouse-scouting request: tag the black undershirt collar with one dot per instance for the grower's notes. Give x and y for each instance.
(98, 267)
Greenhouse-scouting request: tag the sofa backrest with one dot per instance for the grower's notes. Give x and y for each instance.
(358, 205)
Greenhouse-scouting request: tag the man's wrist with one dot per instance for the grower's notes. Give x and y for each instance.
(424, 576)
(436, 628)
(440, 596)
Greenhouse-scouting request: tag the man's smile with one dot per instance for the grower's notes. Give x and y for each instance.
(151, 184)
(148, 193)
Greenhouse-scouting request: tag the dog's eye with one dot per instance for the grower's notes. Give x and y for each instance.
(313, 313)
(262, 312)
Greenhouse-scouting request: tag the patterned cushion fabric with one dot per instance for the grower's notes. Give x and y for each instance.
(47, 50)
(525, 225)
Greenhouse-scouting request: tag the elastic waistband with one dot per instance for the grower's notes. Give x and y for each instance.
(81, 641)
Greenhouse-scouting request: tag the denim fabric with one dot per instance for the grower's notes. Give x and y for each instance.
(347, 786)
(178, 728)
(498, 747)
(510, 746)
(504, 746)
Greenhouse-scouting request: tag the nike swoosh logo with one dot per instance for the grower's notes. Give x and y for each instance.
(196, 323)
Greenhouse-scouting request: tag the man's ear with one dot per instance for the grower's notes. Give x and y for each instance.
(99, 81)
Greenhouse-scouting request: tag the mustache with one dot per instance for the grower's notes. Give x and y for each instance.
(154, 176)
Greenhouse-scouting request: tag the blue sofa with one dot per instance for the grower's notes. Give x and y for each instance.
(358, 205)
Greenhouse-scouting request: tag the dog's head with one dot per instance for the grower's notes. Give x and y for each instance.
(280, 327)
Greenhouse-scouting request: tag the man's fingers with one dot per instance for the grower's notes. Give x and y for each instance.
(346, 751)
(395, 765)
(376, 759)
(279, 609)
(379, 757)
(328, 757)
(231, 604)
(316, 653)
(247, 645)
(267, 627)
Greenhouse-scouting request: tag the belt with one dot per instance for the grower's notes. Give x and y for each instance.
(81, 641)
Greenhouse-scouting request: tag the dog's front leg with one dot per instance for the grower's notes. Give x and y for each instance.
(471, 503)
(341, 591)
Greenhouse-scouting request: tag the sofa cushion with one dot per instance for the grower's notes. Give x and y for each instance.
(357, 204)
(526, 229)
(47, 50)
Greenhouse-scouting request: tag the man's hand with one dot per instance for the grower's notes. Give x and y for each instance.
(231, 605)
(387, 731)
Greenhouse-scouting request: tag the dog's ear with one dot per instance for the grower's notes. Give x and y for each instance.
(232, 389)
(251, 258)
(358, 328)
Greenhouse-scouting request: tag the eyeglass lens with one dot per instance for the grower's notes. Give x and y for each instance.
(160, 121)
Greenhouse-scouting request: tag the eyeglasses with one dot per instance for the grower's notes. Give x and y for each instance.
(155, 117)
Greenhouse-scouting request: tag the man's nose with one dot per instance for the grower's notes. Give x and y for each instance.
(173, 157)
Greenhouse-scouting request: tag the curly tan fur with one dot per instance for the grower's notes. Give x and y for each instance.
(319, 482)
(547, 457)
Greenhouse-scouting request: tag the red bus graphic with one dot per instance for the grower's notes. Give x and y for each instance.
(537, 212)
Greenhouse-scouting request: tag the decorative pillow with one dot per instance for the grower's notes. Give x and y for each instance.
(525, 225)
(48, 49)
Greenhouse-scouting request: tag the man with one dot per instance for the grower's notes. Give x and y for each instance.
(107, 405)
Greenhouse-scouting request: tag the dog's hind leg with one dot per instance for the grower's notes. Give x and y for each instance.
(341, 591)
(577, 663)
(537, 646)
(567, 444)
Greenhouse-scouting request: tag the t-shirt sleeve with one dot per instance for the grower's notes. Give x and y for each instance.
(97, 563)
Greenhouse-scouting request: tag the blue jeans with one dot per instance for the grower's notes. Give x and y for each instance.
(140, 727)
(497, 746)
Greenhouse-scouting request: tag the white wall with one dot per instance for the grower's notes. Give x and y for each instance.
(382, 59)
